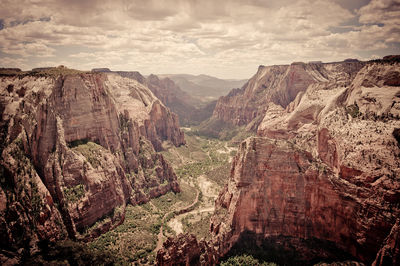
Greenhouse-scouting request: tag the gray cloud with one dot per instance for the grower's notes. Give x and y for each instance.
(223, 38)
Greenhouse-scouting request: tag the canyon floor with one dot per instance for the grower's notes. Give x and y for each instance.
(202, 167)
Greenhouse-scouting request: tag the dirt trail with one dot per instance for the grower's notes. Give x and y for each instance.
(209, 193)
(180, 211)
(176, 223)
(205, 185)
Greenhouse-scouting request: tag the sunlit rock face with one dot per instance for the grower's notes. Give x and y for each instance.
(183, 104)
(320, 182)
(279, 85)
(75, 149)
(326, 167)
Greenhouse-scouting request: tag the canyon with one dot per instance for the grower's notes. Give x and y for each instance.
(190, 100)
(320, 181)
(299, 166)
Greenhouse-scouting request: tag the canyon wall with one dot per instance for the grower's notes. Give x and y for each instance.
(171, 95)
(320, 182)
(275, 85)
(76, 148)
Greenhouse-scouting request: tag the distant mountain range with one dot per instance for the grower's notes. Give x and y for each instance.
(203, 87)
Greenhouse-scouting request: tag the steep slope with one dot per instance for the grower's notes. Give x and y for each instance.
(277, 86)
(171, 95)
(203, 87)
(76, 147)
(180, 102)
(321, 181)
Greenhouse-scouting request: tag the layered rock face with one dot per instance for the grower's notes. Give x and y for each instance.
(331, 174)
(276, 85)
(321, 180)
(75, 149)
(281, 195)
(171, 95)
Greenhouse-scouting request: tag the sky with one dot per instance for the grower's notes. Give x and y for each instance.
(222, 38)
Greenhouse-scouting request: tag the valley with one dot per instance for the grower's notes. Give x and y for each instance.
(187, 132)
(202, 166)
(299, 166)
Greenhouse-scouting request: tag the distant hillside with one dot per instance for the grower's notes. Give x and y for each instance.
(189, 109)
(203, 87)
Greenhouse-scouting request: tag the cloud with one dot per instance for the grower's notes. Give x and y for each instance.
(202, 36)
(381, 11)
(13, 62)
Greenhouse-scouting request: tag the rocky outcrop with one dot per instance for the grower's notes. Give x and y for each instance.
(185, 250)
(321, 181)
(279, 86)
(171, 95)
(75, 150)
(326, 175)
(280, 194)
(389, 254)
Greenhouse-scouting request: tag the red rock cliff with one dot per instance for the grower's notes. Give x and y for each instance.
(277, 85)
(321, 182)
(282, 195)
(77, 148)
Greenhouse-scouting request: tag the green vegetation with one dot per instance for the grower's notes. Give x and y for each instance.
(36, 200)
(9, 71)
(245, 260)
(217, 129)
(55, 71)
(353, 110)
(172, 201)
(75, 193)
(91, 151)
(24, 181)
(123, 122)
(215, 166)
(135, 239)
(200, 228)
(220, 174)
(77, 142)
(69, 253)
(41, 72)
(199, 156)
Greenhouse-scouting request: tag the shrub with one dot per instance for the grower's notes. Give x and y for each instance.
(244, 260)
(396, 135)
(353, 110)
(91, 151)
(75, 193)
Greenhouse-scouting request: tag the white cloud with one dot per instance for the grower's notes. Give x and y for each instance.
(13, 62)
(381, 11)
(228, 38)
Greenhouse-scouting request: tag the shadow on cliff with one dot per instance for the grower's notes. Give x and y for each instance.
(285, 250)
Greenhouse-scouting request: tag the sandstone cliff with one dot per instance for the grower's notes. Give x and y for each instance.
(76, 148)
(188, 109)
(321, 181)
(277, 86)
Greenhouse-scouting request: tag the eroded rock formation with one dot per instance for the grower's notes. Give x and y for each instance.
(321, 180)
(278, 86)
(171, 95)
(75, 150)
(185, 250)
